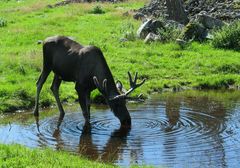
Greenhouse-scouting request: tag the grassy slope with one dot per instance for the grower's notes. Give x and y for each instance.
(164, 65)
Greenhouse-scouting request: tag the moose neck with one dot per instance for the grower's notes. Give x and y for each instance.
(111, 88)
(104, 81)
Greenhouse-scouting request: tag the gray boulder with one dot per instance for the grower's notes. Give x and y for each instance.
(151, 37)
(139, 16)
(173, 24)
(210, 22)
(150, 26)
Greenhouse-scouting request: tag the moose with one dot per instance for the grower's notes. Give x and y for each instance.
(87, 67)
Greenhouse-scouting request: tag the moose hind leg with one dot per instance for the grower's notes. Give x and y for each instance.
(41, 80)
(55, 89)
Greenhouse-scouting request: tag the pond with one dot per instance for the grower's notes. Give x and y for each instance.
(191, 128)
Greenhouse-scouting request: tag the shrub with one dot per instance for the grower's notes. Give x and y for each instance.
(228, 37)
(170, 33)
(3, 22)
(233, 68)
(97, 10)
(128, 32)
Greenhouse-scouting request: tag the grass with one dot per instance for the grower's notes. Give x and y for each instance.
(166, 66)
(21, 157)
(18, 156)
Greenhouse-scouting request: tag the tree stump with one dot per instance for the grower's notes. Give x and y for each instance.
(176, 11)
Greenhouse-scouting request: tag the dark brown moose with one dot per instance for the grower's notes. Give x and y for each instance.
(87, 67)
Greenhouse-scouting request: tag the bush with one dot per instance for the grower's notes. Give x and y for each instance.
(228, 37)
(97, 10)
(128, 32)
(3, 22)
(169, 34)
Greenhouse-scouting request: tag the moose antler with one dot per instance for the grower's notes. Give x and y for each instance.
(103, 88)
(133, 83)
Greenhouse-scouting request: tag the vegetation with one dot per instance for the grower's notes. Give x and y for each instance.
(170, 34)
(228, 37)
(193, 31)
(166, 66)
(128, 32)
(97, 10)
(3, 22)
(21, 157)
(18, 156)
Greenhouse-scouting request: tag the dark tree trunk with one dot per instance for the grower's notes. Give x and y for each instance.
(176, 11)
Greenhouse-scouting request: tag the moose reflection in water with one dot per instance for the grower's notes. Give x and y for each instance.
(111, 150)
(88, 69)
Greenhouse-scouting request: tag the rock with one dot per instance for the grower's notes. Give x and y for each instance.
(139, 16)
(194, 31)
(123, 39)
(150, 26)
(181, 42)
(209, 36)
(210, 22)
(213, 10)
(237, 16)
(226, 10)
(143, 30)
(151, 37)
(39, 42)
(172, 23)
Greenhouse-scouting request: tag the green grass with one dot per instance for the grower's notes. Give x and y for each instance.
(21, 157)
(166, 66)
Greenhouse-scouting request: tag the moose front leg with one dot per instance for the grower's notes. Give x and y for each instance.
(84, 101)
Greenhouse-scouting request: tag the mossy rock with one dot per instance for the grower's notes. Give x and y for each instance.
(193, 31)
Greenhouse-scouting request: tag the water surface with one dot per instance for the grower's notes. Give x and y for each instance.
(186, 129)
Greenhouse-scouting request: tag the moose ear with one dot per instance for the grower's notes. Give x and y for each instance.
(119, 86)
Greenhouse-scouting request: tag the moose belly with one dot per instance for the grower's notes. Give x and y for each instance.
(68, 76)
